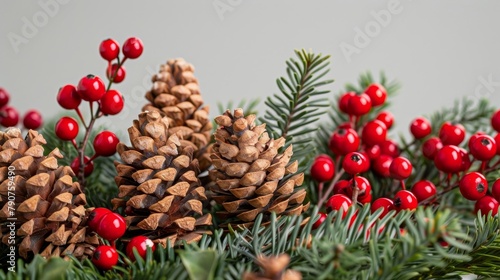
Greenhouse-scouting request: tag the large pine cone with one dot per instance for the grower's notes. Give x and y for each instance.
(49, 212)
(250, 175)
(176, 94)
(158, 183)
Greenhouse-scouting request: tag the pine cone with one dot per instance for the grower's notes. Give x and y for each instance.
(49, 211)
(250, 176)
(273, 268)
(176, 93)
(158, 183)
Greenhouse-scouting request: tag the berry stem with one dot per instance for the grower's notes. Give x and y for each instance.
(79, 113)
(320, 189)
(403, 184)
(484, 165)
(325, 195)
(355, 190)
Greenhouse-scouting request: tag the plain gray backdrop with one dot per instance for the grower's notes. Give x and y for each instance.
(438, 50)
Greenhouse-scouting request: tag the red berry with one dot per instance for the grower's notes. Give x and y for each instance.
(382, 164)
(4, 97)
(8, 116)
(466, 162)
(495, 121)
(387, 118)
(344, 141)
(473, 138)
(141, 244)
(405, 200)
(339, 202)
(321, 219)
(340, 187)
(91, 88)
(420, 128)
(373, 152)
(363, 185)
(68, 97)
(95, 217)
(389, 147)
(32, 119)
(424, 190)
(452, 134)
(359, 104)
(109, 49)
(374, 132)
(473, 186)
(117, 75)
(344, 102)
(67, 128)
(323, 168)
(377, 94)
(384, 203)
(112, 226)
(89, 166)
(449, 159)
(431, 146)
(495, 190)
(486, 204)
(105, 143)
(483, 147)
(105, 257)
(132, 48)
(112, 102)
(355, 163)
(400, 168)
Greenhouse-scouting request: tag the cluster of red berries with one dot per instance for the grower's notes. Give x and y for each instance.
(109, 101)
(111, 226)
(9, 116)
(362, 145)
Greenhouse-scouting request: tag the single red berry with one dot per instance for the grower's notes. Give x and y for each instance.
(67, 128)
(105, 143)
(483, 148)
(466, 162)
(339, 202)
(344, 102)
(132, 48)
(91, 88)
(390, 147)
(322, 169)
(362, 184)
(495, 121)
(95, 217)
(111, 227)
(9, 116)
(400, 168)
(486, 204)
(405, 200)
(321, 220)
(339, 187)
(384, 203)
(344, 141)
(420, 128)
(449, 159)
(431, 146)
(473, 186)
(387, 118)
(495, 190)
(359, 104)
(377, 94)
(4, 97)
(68, 97)
(452, 134)
(117, 75)
(109, 49)
(141, 244)
(105, 257)
(373, 152)
(112, 102)
(32, 119)
(473, 138)
(87, 170)
(374, 132)
(424, 190)
(382, 164)
(355, 163)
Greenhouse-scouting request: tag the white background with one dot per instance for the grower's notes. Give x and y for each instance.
(438, 50)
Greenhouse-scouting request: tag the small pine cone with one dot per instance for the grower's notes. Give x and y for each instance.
(250, 175)
(49, 207)
(158, 183)
(176, 93)
(273, 268)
